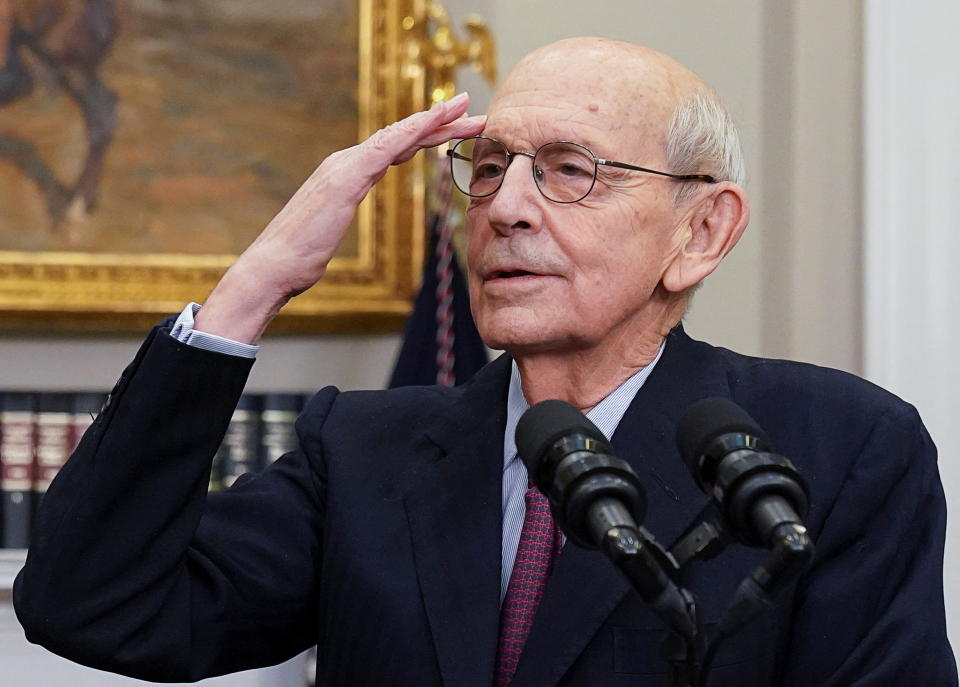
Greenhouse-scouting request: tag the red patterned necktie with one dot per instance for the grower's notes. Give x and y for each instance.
(540, 542)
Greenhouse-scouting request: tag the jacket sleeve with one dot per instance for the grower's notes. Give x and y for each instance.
(871, 613)
(135, 570)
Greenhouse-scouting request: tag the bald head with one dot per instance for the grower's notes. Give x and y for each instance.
(651, 104)
(632, 84)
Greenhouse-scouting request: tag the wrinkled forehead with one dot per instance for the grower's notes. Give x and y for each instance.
(588, 90)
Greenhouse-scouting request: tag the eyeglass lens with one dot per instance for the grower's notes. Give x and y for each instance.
(564, 172)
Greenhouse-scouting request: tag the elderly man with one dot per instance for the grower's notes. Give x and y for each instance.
(605, 187)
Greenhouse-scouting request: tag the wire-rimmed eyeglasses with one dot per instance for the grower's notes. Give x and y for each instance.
(565, 172)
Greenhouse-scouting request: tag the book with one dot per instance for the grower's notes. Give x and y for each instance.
(53, 439)
(39, 431)
(17, 461)
(277, 419)
(86, 407)
(241, 443)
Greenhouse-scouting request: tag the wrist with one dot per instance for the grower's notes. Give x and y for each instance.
(239, 308)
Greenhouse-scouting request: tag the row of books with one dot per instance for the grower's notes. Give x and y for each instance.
(260, 431)
(39, 431)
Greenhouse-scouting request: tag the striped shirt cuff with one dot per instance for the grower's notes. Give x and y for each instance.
(184, 332)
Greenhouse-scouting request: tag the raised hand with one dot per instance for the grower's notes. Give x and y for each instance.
(293, 251)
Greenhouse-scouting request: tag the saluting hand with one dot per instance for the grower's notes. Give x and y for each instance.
(293, 251)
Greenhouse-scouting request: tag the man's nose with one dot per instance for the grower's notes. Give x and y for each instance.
(517, 204)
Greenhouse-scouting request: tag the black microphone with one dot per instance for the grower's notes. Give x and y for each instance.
(599, 502)
(593, 492)
(732, 460)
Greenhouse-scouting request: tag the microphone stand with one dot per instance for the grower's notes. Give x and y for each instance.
(790, 554)
(650, 570)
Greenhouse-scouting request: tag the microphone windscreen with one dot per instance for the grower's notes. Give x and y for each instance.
(708, 419)
(546, 422)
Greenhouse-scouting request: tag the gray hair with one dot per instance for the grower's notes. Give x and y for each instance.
(702, 139)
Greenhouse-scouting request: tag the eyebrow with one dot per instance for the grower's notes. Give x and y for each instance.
(509, 139)
(538, 143)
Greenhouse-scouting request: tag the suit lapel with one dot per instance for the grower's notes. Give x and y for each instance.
(453, 504)
(584, 587)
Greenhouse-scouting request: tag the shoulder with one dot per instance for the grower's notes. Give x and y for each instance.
(775, 388)
(375, 417)
(846, 435)
(860, 448)
(781, 384)
(408, 406)
(399, 424)
(830, 423)
(378, 409)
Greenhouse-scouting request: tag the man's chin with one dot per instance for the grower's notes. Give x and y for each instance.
(516, 341)
(508, 341)
(516, 329)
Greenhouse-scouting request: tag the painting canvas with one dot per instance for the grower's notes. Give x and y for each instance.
(144, 144)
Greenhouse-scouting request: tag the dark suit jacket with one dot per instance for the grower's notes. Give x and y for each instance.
(380, 537)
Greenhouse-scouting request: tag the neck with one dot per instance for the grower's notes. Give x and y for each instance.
(585, 376)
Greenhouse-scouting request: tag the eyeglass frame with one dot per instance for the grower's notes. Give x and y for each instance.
(597, 161)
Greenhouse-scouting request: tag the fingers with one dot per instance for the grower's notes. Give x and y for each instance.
(443, 121)
(460, 128)
(464, 127)
(303, 237)
(449, 110)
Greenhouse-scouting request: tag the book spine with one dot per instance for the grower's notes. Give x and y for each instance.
(86, 407)
(277, 420)
(53, 439)
(241, 444)
(16, 458)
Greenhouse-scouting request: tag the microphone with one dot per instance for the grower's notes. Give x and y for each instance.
(599, 502)
(732, 460)
(761, 496)
(570, 461)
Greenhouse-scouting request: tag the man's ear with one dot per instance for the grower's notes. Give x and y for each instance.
(710, 232)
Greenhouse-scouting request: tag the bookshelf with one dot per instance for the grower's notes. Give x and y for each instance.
(39, 430)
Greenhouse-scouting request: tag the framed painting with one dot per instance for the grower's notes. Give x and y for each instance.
(144, 144)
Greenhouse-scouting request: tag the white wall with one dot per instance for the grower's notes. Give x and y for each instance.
(284, 363)
(912, 107)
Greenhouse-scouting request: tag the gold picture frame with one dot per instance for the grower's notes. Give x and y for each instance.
(369, 288)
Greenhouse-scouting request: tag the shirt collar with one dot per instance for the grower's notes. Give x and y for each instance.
(606, 415)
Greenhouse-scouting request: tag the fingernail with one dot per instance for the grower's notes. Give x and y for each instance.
(458, 98)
